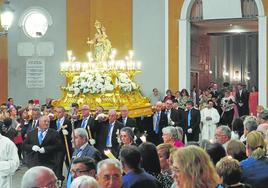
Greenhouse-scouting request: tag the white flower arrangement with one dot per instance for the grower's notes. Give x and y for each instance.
(91, 83)
(125, 83)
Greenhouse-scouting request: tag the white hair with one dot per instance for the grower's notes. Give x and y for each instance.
(31, 176)
(114, 162)
(84, 181)
(82, 133)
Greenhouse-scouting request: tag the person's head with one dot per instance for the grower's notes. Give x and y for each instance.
(124, 111)
(177, 94)
(236, 149)
(227, 93)
(158, 106)
(149, 157)
(168, 92)
(239, 86)
(112, 115)
(85, 111)
(170, 134)
(36, 113)
(210, 104)
(83, 166)
(192, 167)
(216, 151)
(184, 92)
(229, 170)
(10, 101)
(169, 104)
(255, 146)
(263, 116)
(109, 173)
(223, 134)
(60, 112)
(43, 122)
(85, 182)
(238, 126)
(254, 88)
(189, 104)
(6, 124)
(163, 151)
(79, 137)
(130, 157)
(12, 111)
(39, 176)
(126, 135)
(99, 110)
(155, 91)
(250, 125)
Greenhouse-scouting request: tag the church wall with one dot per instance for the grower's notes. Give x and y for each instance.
(149, 43)
(3, 67)
(17, 65)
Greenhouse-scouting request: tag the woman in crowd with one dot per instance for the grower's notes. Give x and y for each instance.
(192, 168)
(169, 96)
(227, 105)
(253, 101)
(236, 149)
(255, 167)
(150, 160)
(163, 151)
(238, 127)
(184, 98)
(126, 137)
(230, 172)
(173, 135)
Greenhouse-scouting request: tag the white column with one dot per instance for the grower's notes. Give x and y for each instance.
(166, 48)
(184, 54)
(262, 60)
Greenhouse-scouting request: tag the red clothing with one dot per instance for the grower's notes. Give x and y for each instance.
(253, 102)
(178, 144)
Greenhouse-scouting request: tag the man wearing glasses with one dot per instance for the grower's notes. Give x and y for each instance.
(83, 166)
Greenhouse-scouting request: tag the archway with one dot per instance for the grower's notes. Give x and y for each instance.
(185, 47)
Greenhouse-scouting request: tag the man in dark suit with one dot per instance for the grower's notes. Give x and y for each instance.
(107, 132)
(155, 124)
(86, 122)
(64, 128)
(172, 114)
(127, 121)
(42, 145)
(242, 97)
(82, 149)
(191, 126)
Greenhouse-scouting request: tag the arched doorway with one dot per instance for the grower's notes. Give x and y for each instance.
(186, 53)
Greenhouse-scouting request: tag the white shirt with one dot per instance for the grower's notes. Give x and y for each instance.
(9, 161)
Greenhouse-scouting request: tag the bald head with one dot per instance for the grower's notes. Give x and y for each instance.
(38, 176)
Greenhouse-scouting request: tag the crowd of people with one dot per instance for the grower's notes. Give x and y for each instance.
(211, 139)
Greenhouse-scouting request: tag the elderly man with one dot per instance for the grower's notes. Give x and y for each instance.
(107, 132)
(39, 176)
(86, 122)
(172, 114)
(109, 173)
(63, 126)
(263, 120)
(156, 123)
(127, 121)
(250, 124)
(9, 161)
(82, 148)
(42, 145)
(223, 135)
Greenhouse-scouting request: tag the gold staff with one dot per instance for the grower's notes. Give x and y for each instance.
(66, 144)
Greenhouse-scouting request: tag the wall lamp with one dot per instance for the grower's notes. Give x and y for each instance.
(6, 17)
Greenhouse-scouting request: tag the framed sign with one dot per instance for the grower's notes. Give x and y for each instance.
(35, 73)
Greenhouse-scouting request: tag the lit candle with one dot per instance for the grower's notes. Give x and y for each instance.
(109, 154)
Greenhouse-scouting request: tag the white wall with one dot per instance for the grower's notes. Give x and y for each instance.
(16, 64)
(149, 43)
